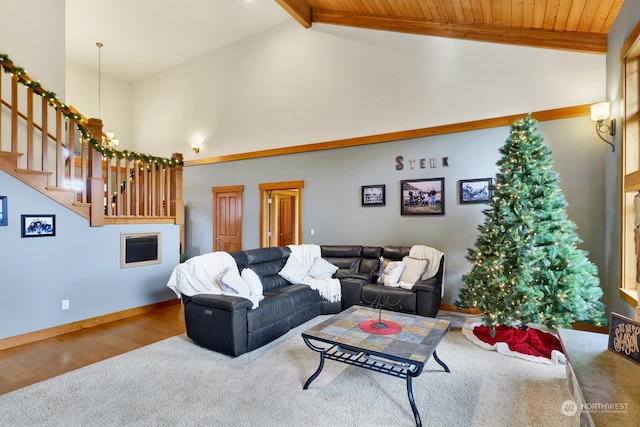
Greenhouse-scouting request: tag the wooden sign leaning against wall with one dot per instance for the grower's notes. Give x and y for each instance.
(624, 337)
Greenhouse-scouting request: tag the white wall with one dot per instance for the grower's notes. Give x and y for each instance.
(111, 103)
(40, 51)
(290, 86)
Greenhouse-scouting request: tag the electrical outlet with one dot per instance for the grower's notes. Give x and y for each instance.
(65, 304)
(313, 231)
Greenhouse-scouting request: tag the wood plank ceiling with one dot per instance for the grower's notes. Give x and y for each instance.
(576, 25)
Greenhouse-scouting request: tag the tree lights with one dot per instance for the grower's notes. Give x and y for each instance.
(526, 267)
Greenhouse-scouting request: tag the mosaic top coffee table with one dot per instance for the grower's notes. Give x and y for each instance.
(402, 355)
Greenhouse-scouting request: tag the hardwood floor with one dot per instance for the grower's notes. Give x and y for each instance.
(30, 363)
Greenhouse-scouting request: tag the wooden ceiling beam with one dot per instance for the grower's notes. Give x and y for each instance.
(564, 40)
(299, 9)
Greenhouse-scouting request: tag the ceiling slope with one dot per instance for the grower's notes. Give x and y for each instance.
(575, 25)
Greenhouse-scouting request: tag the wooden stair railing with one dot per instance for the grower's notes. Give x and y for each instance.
(56, 150)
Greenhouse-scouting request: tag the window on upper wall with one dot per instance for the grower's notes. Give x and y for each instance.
(630, 167)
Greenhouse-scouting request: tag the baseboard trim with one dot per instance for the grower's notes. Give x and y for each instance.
(119, 315)
(55, 331)
(580, 326)
(451, 307)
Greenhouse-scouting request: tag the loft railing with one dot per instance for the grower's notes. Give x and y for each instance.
(55, 149)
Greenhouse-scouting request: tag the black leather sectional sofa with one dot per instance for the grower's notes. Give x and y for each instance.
(229, 325)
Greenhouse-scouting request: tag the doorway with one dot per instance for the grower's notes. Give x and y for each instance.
(227, 218)
(281, 213)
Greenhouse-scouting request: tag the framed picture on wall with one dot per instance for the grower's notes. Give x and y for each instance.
(373, 195)
(38, 225)
(475, 190)
(422, 196)
(3, 210)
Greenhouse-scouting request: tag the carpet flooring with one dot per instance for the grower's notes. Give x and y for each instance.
(177, 383)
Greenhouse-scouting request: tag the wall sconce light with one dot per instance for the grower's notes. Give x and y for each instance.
(599, 113)
(195, 146)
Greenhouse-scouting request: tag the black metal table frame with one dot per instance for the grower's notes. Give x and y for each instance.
(384, 363)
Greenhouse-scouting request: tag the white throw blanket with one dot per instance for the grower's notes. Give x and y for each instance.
(432, 255)
(199, 275)
(306, 253)
(329, 289)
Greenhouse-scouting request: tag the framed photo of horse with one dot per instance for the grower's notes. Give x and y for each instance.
(422, 196)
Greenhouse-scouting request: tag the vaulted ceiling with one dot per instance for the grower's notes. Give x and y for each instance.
(576, 25)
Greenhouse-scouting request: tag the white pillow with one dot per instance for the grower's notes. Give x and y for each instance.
(322, 269)
(253, 280)
(413, 269)
(294, 270)
(232, 283)
(392, 272)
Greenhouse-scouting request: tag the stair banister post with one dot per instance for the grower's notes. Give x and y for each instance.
(95, 182)
(177, 203)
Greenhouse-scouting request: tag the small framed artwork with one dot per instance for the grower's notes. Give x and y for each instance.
(3, 211)
(475, 190)
(422, 196)
(38, 225)
(373, 195)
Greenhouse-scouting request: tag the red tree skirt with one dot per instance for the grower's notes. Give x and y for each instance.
(532, 342)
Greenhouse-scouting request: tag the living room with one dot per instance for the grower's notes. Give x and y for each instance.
(257, 103)
(287, 87)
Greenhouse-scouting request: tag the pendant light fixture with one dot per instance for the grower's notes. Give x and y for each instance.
(108, 138)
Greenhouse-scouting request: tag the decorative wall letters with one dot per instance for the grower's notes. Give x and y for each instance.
(421, 163)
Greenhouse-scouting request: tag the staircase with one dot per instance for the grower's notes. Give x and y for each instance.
(53, 148)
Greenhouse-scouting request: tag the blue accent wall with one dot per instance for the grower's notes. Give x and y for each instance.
(80, 263)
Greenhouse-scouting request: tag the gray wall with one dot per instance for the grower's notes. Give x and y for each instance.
(627, 19)
(80, 263)
(332, 180)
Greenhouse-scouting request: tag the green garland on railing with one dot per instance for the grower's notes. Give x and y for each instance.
(67, 112)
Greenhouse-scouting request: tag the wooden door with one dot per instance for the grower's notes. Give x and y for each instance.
(227, 218)
(281, 213)
(286, 218)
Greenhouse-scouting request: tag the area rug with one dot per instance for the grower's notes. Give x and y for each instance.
(177, 383)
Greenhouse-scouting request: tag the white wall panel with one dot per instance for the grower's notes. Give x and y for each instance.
(290, 86)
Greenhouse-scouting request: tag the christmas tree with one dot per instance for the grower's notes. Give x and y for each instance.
(527, 268)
